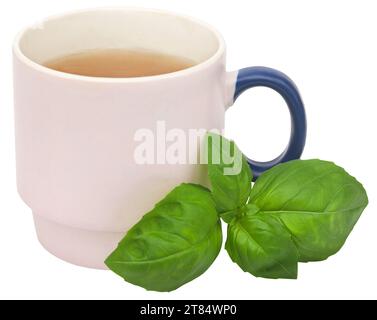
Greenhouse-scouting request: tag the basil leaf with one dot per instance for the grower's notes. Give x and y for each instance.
(317, 201)
(262, 246)
(229, 173)
(172, 244)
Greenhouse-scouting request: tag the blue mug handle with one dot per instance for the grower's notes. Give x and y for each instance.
(261, 76)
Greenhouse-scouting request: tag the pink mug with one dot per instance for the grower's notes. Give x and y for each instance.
(75, 134)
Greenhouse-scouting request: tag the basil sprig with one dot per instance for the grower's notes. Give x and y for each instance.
(302, 210)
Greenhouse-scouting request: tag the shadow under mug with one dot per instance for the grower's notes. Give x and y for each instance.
(75, 134)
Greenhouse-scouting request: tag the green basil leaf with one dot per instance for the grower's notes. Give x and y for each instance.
(262, 246)
(317, 201)
(172, 244)
(229, 173)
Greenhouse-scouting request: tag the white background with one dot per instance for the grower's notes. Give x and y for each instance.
(327, 47)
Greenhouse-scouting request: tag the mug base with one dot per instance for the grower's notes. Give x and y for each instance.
(81, 247)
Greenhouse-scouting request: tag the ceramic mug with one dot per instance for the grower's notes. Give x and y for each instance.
(75, 134)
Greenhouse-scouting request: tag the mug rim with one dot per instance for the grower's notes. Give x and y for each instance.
(185, 72)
